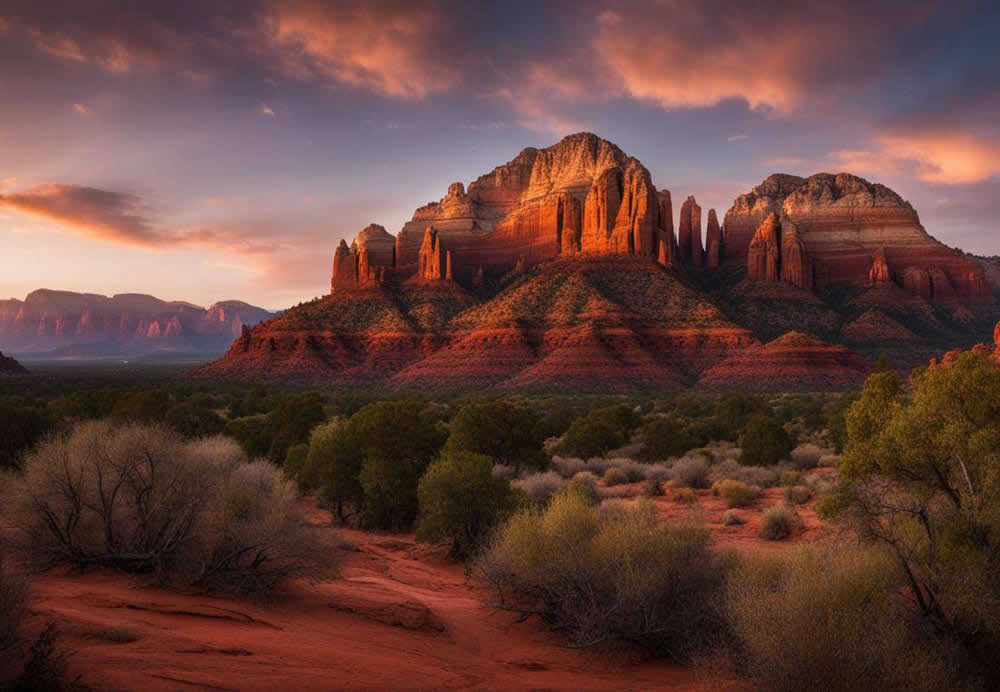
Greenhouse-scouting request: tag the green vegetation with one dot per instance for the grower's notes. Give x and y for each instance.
(461, 500)
(764, 441)
(600, 431)
(505, 433)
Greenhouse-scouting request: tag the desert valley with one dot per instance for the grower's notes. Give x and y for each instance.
(686, 377)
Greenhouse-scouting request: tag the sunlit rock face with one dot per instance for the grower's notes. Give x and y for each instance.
(844, 224)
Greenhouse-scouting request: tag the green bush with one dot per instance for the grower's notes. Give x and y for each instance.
(194, 419)
(585, 485)
(764, 441)
(507, 434)
(610, 574)
(21, 427)
(737, 494)
(461, 500)
(600, 431)
(665, 438)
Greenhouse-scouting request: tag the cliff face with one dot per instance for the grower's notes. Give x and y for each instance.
(130, 323)
(9, 366)
(561, 270)
(852, 232)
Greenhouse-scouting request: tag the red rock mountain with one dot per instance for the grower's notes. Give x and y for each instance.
(67, 323)
(560, 270)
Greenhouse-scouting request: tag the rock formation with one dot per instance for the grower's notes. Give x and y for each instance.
(81, 324)
(879, 273)
(689, 232)
(561, 270)
(713, 241)
(843, 221)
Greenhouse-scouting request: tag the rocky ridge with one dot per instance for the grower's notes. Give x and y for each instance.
(74, 323)
(9, 366)
(561, 270)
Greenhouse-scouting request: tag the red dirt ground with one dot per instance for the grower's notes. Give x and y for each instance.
(401, 616)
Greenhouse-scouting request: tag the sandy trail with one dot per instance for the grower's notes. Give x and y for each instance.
(401, 616)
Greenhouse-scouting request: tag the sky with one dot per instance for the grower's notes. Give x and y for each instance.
(205, 150)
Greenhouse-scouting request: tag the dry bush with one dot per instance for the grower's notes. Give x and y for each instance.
(690, 472)
(141, 499)
(798, 494)
(737, 493)
(826, 620)
(732, 518)
(634, 471)
(540, 487)
(821, 483)
(585, 484)
(685, 496)
(567, 467)
(505, 471)
(610, 574)
(13, 604)
(730, 469)
(615, 476)
(779, 522)
(830, 460)
(789, 478)
(806, 456)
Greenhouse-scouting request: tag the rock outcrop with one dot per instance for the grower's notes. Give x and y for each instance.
(88, 324)
(843, 222)
(713, 241)
(689, 233)
(795, 362)
(561, 270)
(9, 366)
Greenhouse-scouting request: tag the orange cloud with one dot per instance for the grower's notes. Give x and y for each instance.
(81, 109)
(119, 218)
(935, 157)
(394, 48)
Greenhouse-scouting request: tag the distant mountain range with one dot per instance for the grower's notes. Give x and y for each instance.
(64, 324)
(561, 270)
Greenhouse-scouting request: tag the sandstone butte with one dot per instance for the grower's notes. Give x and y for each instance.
(561, 270)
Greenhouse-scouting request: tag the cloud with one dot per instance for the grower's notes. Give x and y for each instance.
(81, 109)
(947, 158)
(265, 109)
(737, 138)
(395, 48)
(121, 219)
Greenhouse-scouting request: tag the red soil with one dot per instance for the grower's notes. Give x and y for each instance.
(401, 616)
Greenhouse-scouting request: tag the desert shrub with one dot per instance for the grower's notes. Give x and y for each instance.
(656, 475)
(289, 423)
(737, 494)
(733, 411)
(779, 522)
(836, 419)
(690, 472)
(761, 476)
(461, 500)
(567, 467)
(634, 471)
(45, 669)
(13, 604)
(506, 433)
(295, 465)
(600, 431)
(732, 518)
(826, 620)
(538, 488)
(615, 476)
(764, 441)
(798, 494)
(141, 499)
(685, 496)
(609, 573)
(194, 419)
(667, 437)
(143, 406)
(829, 460)
(806, 456)
(504, 471)
(789, 478)
(821, 483)
(585, 485)
(21, 427)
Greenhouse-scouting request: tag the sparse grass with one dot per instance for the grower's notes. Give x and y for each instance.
(732, 518)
